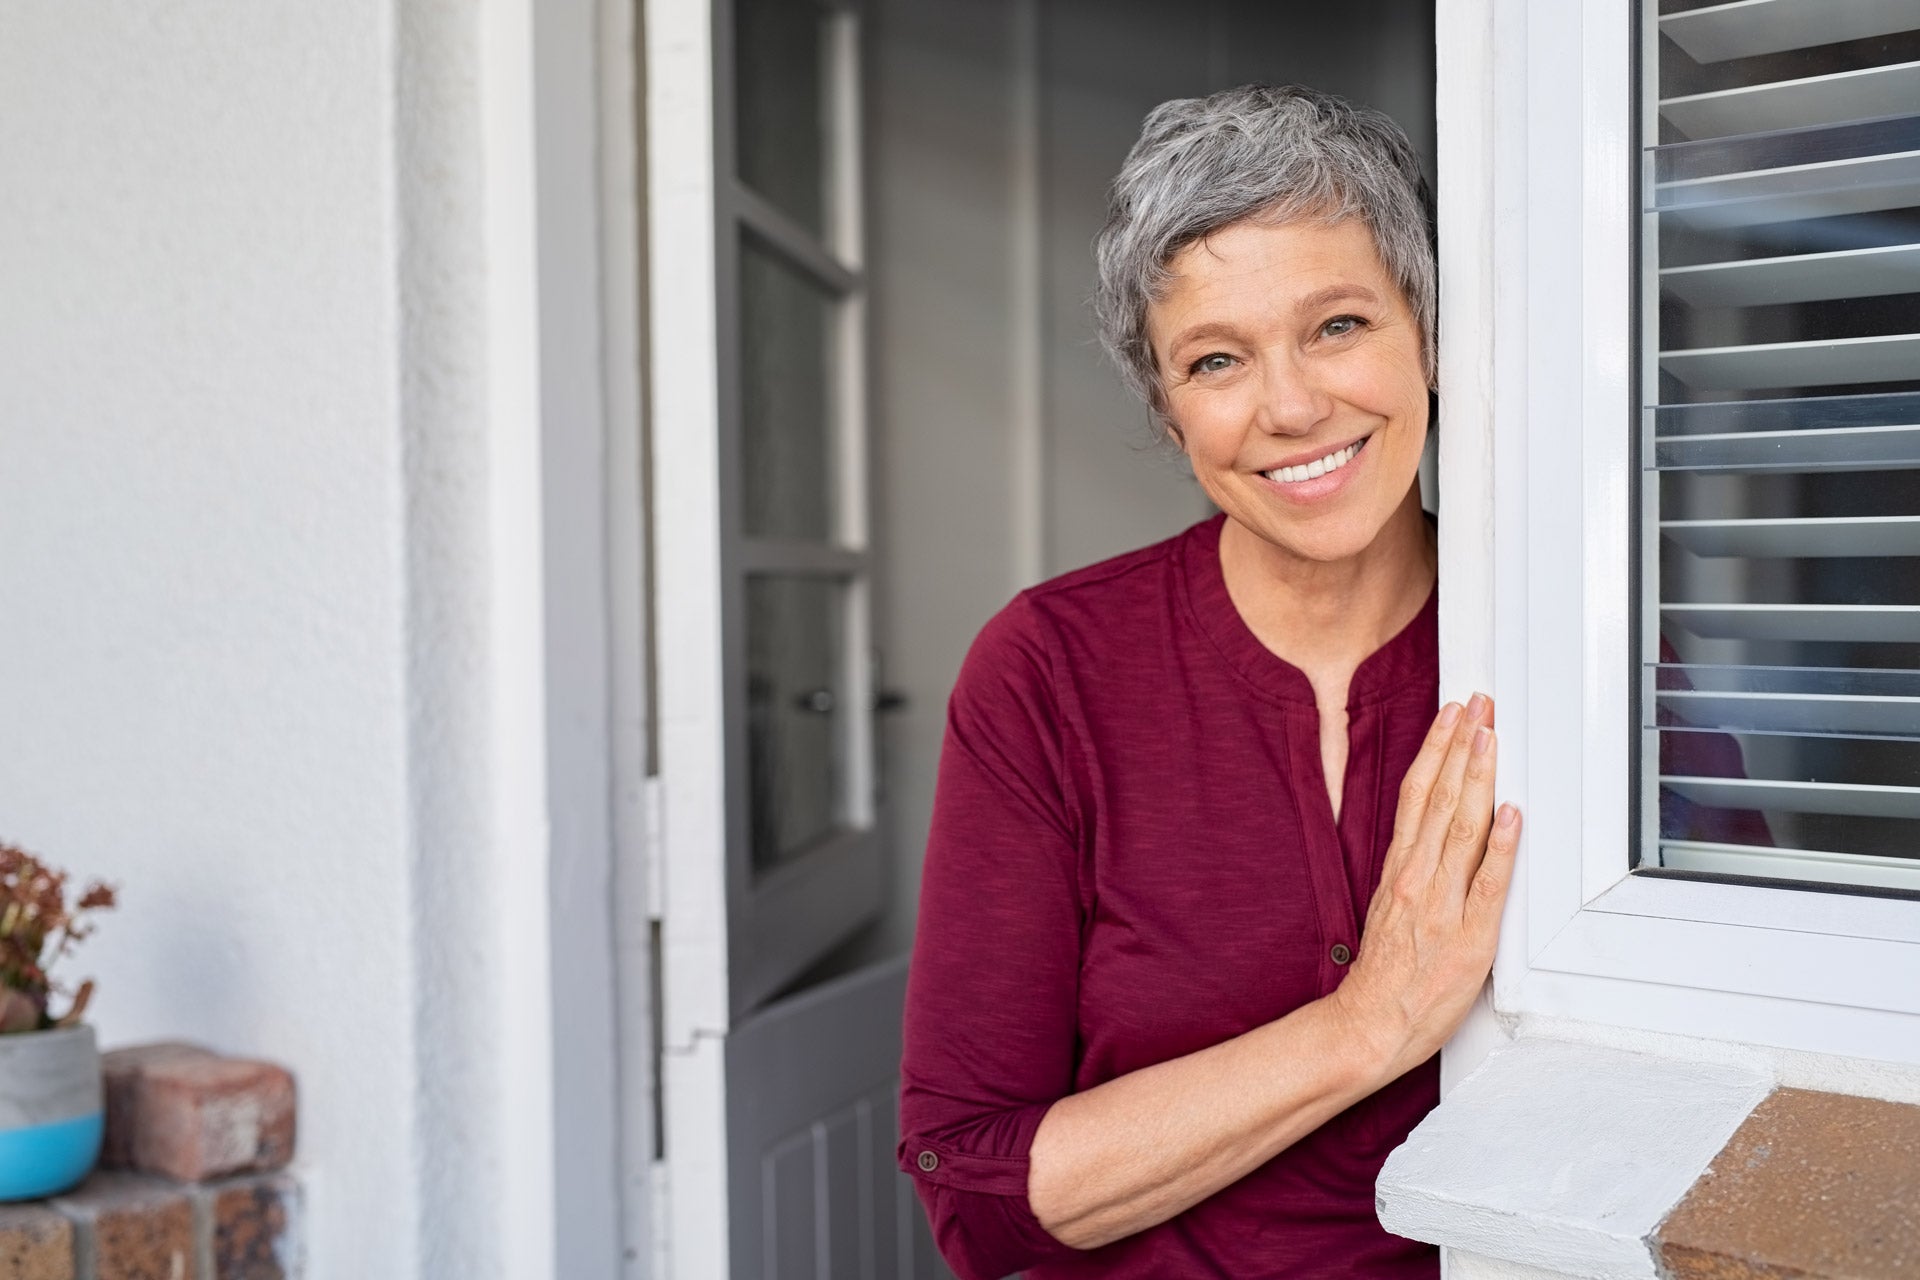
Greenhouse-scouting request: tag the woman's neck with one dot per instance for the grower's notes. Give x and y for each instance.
(1326, 618)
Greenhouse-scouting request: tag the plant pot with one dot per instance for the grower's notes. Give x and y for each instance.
(51, 1110)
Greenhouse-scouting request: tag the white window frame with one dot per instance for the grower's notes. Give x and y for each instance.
(1537, 214)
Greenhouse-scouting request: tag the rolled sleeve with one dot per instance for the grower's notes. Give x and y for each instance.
(992, 994)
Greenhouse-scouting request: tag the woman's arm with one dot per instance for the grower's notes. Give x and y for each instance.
(1141, 1148)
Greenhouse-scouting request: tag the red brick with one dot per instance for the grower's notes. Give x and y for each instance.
(36, 1243)
(120, 1071)
(202, 1117)
(133, 1228)
(255, 1228)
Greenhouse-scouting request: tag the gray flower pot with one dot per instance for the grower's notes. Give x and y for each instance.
(51, 1110)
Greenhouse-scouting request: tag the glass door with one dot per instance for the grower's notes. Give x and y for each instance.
(804, 857)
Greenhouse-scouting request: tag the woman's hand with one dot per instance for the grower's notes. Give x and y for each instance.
(1428, 942)
(1133, 1152)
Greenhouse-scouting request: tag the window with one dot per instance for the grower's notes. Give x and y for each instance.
(1779, 521)
(1579, 442)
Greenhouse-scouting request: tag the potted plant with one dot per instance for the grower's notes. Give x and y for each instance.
(51, 1110)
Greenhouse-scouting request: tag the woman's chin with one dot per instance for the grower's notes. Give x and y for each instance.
(1323, 537)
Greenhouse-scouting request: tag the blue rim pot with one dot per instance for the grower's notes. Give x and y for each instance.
(51, 1110)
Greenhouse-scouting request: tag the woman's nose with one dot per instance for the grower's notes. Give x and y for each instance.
(1292, 402)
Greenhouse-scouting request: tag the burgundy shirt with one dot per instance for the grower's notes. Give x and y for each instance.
(1133, 857)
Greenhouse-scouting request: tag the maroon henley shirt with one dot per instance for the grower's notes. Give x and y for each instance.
(1133, 857)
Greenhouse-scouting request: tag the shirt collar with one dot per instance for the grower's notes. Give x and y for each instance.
(1407, 664)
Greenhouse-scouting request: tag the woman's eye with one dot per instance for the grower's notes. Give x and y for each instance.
(1214, 363)
(1341, 326)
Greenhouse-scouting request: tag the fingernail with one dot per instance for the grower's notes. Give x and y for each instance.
(1478, 706)
(1449, 715)
(1507, 816)
(1482, 741)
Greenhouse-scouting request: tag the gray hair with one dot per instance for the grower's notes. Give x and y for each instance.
(1256, 152)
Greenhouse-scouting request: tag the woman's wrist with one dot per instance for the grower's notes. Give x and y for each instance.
(1373, 1037)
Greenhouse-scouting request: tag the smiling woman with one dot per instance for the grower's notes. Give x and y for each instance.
(1283, 350)
(1209, 882)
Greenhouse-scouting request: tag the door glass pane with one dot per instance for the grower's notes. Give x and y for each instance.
(787, 349)
(796, 710)
(781, 64)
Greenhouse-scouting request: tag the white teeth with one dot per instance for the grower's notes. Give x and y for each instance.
(1318, 467)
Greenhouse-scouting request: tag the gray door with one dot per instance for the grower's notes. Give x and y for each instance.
(778, 1098)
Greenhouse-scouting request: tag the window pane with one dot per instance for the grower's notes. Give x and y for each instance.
(781, 55)
(796, 710)
(787, 350)
(1781, 378)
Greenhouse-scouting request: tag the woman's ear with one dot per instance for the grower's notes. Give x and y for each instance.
(1163, 424)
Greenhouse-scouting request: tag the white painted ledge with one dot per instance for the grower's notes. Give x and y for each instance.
(1564, 1157)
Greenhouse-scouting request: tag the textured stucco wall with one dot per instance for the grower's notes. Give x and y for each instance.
(250, 554)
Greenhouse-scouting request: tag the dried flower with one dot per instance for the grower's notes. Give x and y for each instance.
(37, 928)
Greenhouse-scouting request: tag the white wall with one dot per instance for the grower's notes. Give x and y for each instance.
(202, 675)
(1007, 449)
(271, 530)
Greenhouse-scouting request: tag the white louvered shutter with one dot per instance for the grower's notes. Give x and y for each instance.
(1779, 449)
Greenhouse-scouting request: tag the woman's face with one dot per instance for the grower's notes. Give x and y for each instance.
(1291, 367)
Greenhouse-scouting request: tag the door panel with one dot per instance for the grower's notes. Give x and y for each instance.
(814, 1194)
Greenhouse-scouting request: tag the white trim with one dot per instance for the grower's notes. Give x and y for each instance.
(684, 415)
(635, 799)
(1477, 187)
(1580, 940)
(695, 1079)
(517, 719)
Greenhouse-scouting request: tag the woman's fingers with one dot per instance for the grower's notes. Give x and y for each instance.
(1417, 785)
(1488, 891)
(1443, 801)
(1466, 834)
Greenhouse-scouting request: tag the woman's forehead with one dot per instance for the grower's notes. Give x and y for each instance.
(1275, 267)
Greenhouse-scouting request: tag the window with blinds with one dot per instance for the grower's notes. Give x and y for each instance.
(1779, 449)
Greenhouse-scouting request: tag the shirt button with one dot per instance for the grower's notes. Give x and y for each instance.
(1341, 953)
(928, 1162)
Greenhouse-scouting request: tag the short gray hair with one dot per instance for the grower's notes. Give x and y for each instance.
(1257, 152)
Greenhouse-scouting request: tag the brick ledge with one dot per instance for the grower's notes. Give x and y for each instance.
(1812, 1185)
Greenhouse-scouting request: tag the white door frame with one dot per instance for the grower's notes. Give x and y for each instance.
(571, 1077)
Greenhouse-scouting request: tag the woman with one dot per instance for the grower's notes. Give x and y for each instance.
(1147, 1034)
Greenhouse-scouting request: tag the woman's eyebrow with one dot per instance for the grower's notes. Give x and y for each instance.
(1201, 333)
(1336, 293)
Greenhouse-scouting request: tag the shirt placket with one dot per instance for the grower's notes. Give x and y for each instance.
(1326, 858)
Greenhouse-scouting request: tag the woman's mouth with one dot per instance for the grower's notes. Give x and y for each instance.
(1318, 467)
